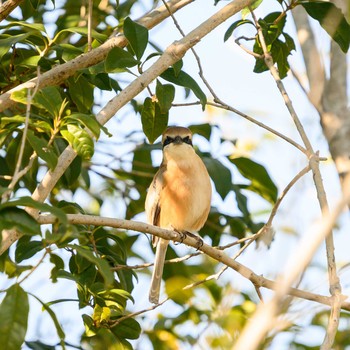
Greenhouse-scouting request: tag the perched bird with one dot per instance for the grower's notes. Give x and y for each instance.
(179, 196)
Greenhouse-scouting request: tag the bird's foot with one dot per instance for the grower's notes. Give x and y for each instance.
(196, 237)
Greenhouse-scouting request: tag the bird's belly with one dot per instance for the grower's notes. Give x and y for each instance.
(184, 206)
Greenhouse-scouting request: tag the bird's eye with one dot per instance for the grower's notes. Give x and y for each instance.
(187, 140)
(167, 141)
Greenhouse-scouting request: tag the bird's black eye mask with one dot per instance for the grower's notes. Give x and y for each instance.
(169, 140)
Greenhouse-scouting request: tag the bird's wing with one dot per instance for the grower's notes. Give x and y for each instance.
(152, 204)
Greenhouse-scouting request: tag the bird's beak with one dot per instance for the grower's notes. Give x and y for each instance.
(178, 140)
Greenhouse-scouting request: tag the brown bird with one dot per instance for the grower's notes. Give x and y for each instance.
(179, 196)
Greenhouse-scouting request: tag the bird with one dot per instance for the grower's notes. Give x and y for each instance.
(179, 196)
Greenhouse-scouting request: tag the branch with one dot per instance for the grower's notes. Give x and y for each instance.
(312, 58)
(261, 322)
(7, 7)
(60, 73)
(308, 245)
(171, 55)
(214, 253)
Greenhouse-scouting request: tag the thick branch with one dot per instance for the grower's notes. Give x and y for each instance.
(7, 7)
(214, 253)
(312, 58)
(59, 74)
(172, 54)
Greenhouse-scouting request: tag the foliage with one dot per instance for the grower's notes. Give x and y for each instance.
(64, 115)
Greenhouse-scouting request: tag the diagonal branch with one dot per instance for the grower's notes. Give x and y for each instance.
(271, 309)
(7, 7)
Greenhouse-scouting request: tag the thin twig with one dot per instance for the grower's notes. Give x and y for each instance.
(18, 173)
(89, 24)
(220, 104)
(137, 313)
(34, 267)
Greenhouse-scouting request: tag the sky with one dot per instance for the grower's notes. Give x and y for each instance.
(229, 70)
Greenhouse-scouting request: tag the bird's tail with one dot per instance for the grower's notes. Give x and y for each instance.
(158, 270)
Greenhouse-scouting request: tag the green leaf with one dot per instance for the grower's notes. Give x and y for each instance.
(50, 99)
(8, 41)
(53, 316)
(19, 219)
(59, 265)
(261, 182)
(82, 31)
(88, 120)
(183, 79)
(332, 21)
(38, 345)
(118, 59)
(235, 25)
(127, 329)
(220, 175)
(153, 121)
(25, 25)
(165, 96)
(43, 207)
(14, 311)
(79, 140)
(246, 11)
(25, 248)
(201, 129)
(82, 93)
(40, 146)
(101, 264)
(137, 36)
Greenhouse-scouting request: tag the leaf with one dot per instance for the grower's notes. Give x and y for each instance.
(127, 329)
(20, 220)
(53, 316)
(14, 311)
(246, 11)
(8, 41)
(50, 99)
(40, 146)
(38, 345)
(118, 58)
(137, 36)
(43, 207)
(101, 264)
(59, 265)
(153, 121)
(79, 140)
(33, 26)
(82, 93)
(183, 79)
(235, 25)
(25, 248)
(261, 182)
(90, 121)
(332, 21)
(201, 129)
(220, 175)
(82, 31)
(165, 96)
(174, 287)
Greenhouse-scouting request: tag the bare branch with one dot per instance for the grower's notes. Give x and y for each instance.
(301, 259)
(214, 253)
(263, 319)
(7, 7)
